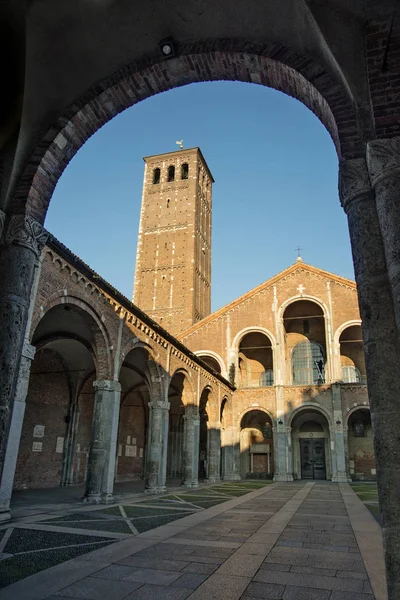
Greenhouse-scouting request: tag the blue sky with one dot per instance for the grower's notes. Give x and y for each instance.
(275, 171)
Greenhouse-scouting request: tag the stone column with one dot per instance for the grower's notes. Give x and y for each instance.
(339, 474)
(214, 452)
(17, 419)
(281, 444)
(191, 439)
(103, 445)
(231, 454)
(157, 438)
(70, 446)
(21, 242)
(382, 347)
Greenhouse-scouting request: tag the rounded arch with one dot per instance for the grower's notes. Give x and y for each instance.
(353, 409)
(343, 326)
(301, 77)
(254, 329)
(102, 343)
(258, 408)
(134, 344)
(188, 389)
(308, 297)
(213, 355)
(307, 406)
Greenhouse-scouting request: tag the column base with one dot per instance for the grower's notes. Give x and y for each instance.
(340, 479)
(155, 490)
(191, 484)
(231, 477)
(283, 477)
(107, 499)
(213, 479)
(92, 499)
(5, 516)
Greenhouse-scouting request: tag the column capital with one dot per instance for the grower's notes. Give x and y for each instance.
(28, 351)
(383, 158)
(24, 231)
(354, 181)
(107, 385)
(159, 404)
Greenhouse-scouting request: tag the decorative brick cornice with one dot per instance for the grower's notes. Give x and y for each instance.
(383, 158)
(25, 231)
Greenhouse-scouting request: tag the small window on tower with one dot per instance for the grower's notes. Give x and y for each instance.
(171, 173)
(156, 175)
(168, 203)
(184, 171)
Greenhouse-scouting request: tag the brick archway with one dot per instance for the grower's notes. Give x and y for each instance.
(269, 65)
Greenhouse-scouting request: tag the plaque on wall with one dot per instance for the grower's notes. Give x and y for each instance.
(60, 445)
(130, 451)
(38, 431)
(37, 446)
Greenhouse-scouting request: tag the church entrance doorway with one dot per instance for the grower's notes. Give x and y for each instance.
(312, 453)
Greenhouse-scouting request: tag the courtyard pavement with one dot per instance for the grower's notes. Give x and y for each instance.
(283, 541)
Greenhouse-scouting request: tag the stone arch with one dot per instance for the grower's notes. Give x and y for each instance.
(101, 348)
(256, 441)
(327, 330)
(213, 355)
(258, 366)
(255, 329)
(344, 326)
(262, 409)
(354, 409)
(310, 453)
(308, 406)
(133, 344)
(237, 60)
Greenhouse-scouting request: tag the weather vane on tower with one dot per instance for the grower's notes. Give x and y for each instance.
(180, 144)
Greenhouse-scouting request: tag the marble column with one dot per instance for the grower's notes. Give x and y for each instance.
(381, 344)
(21, 242)
(157, 442)
(17, 419)
(191, 439)
(103, 445)
(339, 473)
(213, 452)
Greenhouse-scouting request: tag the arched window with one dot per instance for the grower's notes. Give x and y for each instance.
(156, 175)
(267, 378)
(184, 171)
(351, 374)
(171, 173)
(308, 364)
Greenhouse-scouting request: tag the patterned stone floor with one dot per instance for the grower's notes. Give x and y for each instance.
(299, 541)
(31, 544)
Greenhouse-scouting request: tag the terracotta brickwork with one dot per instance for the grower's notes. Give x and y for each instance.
(173, 262)
(85, 331)
(302, 304)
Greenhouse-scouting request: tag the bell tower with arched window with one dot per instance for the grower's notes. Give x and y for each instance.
(173, 260)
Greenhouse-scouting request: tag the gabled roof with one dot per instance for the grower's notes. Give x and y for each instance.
(298, 266)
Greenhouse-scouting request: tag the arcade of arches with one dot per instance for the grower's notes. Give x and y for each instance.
(339, 60)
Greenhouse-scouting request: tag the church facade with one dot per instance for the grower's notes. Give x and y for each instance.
(273, 385)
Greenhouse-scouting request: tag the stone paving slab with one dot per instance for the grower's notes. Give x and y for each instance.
(272, 554)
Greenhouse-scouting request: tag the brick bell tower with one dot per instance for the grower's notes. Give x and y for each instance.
(173, 260)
